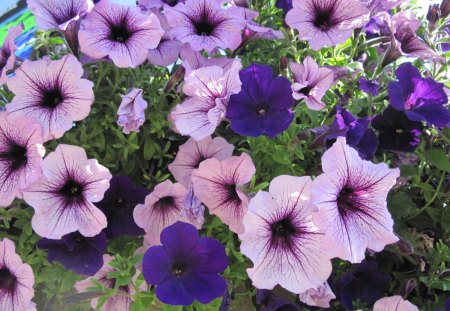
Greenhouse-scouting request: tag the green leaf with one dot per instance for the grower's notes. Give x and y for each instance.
(438, 158)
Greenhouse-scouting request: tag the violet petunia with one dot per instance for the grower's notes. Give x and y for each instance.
(285, 5)
(351, 200)
(396, 132)
(193, 209)
(193, 152)
(377, 6)
(123, 33)
(263, 106)
(7, 52)
(52, 92)
(118, 204)
(318, 297)
(394, 303)
(311, 82)
(217, 183)
(131, 111)
(63, 197)
(185, 267)
(422, 99)
(272, 302)
(281, 240)
(149, 4)
(369, 86)
(326, 23)
(84, 255)
(21, 153)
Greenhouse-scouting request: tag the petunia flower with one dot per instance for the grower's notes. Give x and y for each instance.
(76, 252)
(318, 297)
(16, 279)
(273, 302)
(123, 33)
(209, 89)
(206, 24)
(193, 60)
(7, 56)
(21, 153)
(51, 92)
(285, 5)
(131, 111)
(394, 303)
(263, 106)
(281, 240)
(162, 208)
(185, 267)
(369, 86)
(396, 132)
(217, 184)
(193, 152)
(311, 82)
(62, 15)
(351, 200)
(62, 198)
(377, 6)
(118, 204)
(159, 3)
(193, 209)
(326, 23)
(422, 99)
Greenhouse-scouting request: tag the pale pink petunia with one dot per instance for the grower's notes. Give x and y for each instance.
(351, 199)
(16, 280)
(193, 60)
(52, 93)
(377, 6)
(7, 56)
(209, 89)
(193, 152)
(318, 297)
(62, 198)
(131, 111)
(21, 153)
(218, 184)
(281, 240)
(326, 22)
(311, 82)
(394, 303)
(162, 208)
(123, 33)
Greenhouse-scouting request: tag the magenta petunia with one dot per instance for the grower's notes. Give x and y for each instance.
(351, 199)
(162, 207)
(311, 82)
(21, 152)
(325, 22)
(193, 60)
(62, 198)
(394, 303)
(123, 33)
(16, 280)
(318, 297)
(51, 92)
(193, 152)
(7, 56)
(131, 111)
(209, 89)
(281, 240)
(218, 184)
(206, 24)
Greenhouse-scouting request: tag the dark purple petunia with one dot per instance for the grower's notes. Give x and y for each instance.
(422, 99)
(358, 135)
(118, 204)
(185, 267)
(396, 132)
(272, 302)
(369, 86)
(76, 252)
(285, 5)
(364, 282)
(263, 106)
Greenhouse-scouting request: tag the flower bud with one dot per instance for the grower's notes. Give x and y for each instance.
(433, 15)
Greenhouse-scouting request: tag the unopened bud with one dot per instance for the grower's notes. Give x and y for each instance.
(433, 15)
(283, 63)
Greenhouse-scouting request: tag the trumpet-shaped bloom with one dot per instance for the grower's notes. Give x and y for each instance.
(351, 199)
(193, 152)
(123, 33)
(281, 240)
(7, 56)
(21, 153)
(311, 82)
(193, 60)
(422, 99)
(62, 198)
(185, 267)
(325, 22)
(263, 106)
(16, 279)
(52, 93)
(131, 111)
(369, 86)
(254, 31)
(394, 303)
(209, 89)
(318, 297)
(217, 184)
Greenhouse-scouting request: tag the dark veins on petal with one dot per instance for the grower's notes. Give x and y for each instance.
(282, 232)
(8, 282)
(346, 201)
(206, 22)
(16, 155)
(324, 15)
(165, 204)
(120, 32)
(72, 191)
(52, 98)
(232, 194)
